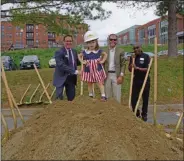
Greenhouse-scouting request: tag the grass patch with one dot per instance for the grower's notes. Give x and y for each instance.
(46, 54)
(170, 82)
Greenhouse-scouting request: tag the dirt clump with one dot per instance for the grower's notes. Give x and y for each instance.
(89, 130)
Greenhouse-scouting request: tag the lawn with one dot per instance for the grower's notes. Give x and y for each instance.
(46, 54)
(170, 82)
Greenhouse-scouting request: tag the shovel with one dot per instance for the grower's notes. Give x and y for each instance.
(30, 100)
(21, 103)
(41, 96)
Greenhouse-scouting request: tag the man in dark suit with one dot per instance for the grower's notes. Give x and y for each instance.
(65, 74)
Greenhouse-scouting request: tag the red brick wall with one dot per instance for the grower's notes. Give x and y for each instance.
(42, 36)
(180, 24)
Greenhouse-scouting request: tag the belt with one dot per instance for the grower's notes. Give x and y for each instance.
(111, 71)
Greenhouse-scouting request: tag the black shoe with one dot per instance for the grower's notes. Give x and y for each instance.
(91, 96)
(138, 114)
(144, 118)
(103, 99)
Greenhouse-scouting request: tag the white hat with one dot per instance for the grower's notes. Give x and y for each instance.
(89, 36)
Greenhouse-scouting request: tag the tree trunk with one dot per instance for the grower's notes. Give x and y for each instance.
(172, 29)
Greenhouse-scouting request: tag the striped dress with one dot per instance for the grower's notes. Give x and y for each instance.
(93, 71)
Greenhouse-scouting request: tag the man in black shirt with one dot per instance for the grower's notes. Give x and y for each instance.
(140, 68)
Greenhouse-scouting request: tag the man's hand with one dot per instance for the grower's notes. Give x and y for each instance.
(134, 66)
(120, 80)
(77, 72)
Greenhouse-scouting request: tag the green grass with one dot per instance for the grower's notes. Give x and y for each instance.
(170, 82)
(46, 54)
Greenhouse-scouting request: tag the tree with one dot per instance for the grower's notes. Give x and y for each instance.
(60, 16)
(172, 8)
(74, 13)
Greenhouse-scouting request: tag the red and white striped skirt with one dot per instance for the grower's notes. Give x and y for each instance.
(94, 75)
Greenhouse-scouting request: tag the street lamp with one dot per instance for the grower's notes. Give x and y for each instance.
(22, 38)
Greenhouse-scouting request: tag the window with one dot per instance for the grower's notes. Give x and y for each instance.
(37, 41)
(9, 42)
(36, 26)
(18, 42)
(17, 27)
(37, 34)
(9, 35)
(17, 34)
(9, 28)
(29, 35)
(30, 28)
(30, 42)
(51, 35)
(2, 27)
(2, 35)
(21, 34)
(152, 31)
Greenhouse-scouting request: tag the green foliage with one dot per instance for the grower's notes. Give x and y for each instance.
(162, 7)
(56, 14)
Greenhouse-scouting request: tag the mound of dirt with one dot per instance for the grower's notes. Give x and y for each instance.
(89, 130)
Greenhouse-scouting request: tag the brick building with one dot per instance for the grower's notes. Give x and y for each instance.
(145, 34)
(127, 36)
(32, 35)
(159, 27)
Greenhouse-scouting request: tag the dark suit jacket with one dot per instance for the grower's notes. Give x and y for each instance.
(62, 69)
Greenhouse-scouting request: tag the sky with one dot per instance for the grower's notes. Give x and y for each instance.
(120, 19)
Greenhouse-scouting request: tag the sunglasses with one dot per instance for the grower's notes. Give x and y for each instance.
(68, 41)
(136, 48)
(113, 39)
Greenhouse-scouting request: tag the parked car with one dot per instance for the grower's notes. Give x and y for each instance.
(52, 63)
(8, 63)
(127, 55)
(163, 52)
(150, 54)
(28, 61)
(181, 52)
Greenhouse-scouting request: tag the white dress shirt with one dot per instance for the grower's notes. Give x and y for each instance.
(111, 60)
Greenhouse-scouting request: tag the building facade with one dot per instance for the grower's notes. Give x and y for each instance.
(33, 35)
(146, 33)
(127, 36)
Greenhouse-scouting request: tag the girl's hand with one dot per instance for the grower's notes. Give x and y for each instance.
(84, 62)
(101, 62)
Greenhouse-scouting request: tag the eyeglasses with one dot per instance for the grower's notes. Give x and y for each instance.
(135, 48)
(113, 39)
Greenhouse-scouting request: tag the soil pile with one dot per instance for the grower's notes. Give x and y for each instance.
(89, 130)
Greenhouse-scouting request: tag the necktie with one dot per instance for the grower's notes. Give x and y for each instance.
(71, 60)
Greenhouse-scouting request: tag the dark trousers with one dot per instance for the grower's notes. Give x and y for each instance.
(69, 88)
(137, 85)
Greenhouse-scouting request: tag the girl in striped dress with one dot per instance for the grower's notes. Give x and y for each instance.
(93, 59)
